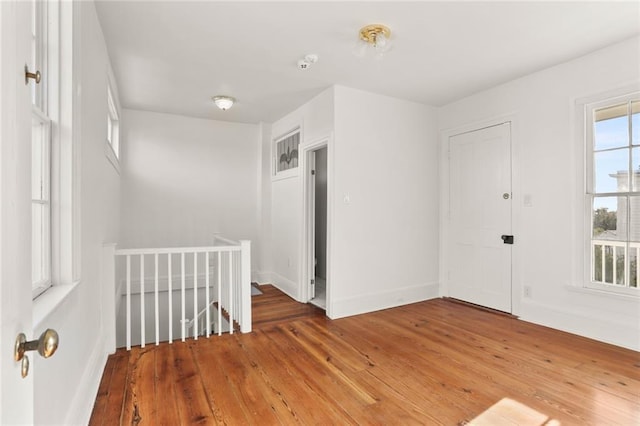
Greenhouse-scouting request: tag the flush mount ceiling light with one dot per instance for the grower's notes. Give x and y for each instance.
(374, 37)
(223, 102)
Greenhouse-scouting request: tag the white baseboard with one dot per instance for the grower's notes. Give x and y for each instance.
(365, 303)
(263, 277)
(82, 405)
(285, 285)
(604, 329)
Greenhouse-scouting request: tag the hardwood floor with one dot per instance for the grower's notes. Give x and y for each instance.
(435, 362)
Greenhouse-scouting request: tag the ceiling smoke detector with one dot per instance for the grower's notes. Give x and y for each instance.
(306, 62)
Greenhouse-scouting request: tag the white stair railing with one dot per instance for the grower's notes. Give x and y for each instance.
(213, 278)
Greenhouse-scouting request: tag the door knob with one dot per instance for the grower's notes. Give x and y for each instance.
(31, 75)
(46, 345)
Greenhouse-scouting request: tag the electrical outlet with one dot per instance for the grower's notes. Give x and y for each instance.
(527, 291)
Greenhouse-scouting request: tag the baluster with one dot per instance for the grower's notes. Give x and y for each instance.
(156, 302)
(195, 295)
(128, 302)
(614, 263)
(230, 293)
(183, 322)
(604, 271)
(207, 295)
(170, 285)
(142, 313)
(219, 293)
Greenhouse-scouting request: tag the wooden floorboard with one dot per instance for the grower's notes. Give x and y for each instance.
(435, 362)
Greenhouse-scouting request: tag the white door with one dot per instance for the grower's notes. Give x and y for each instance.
(16, 393)
(479, 258)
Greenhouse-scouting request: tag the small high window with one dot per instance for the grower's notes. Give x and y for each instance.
(113, 126)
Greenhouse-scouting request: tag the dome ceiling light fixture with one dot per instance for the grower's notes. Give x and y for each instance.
(373, 37)
(223, 102)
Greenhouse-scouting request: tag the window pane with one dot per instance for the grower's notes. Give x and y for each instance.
(619, 265)
(635, 153)
(633, 265)
(109, 129)
(37, 236)
(605, 218)
(598, 250)
(38, 153)
(611, 171)
(634, 219)
(611, 127)
(635, 122)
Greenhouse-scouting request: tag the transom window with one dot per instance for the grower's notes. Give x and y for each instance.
(613, 191)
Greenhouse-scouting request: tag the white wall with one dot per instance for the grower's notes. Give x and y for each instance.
(185, 179)
(66, 384)
(316, 119)
(384, 241)
(548, 167)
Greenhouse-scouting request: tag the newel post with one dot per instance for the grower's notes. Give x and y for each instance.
(245, 285)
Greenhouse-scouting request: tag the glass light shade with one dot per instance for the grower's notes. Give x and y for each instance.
(224, 102)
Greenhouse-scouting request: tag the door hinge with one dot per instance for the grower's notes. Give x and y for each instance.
(313, 282)
(313, 172)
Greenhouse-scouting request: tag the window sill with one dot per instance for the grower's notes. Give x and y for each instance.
(45, 304)
(603, 292)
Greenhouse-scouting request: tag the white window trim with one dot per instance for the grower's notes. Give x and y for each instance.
(65, 133)
(584, 151)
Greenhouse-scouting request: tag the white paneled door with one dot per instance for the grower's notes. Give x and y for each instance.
(16, 393)
(480, 243)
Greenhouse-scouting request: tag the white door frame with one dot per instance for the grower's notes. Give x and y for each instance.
(308, 230)
(445, 232)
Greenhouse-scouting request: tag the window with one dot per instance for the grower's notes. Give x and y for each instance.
(54, 167)
(113, 134)
(613, 193)
(40, 156)
(286, 153)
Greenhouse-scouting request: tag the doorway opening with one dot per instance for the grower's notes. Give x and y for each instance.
(319, 276)
(315, 283)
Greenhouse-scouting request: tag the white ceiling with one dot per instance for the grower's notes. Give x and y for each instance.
(173, 56)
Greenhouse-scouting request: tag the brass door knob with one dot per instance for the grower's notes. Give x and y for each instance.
(31, 75)
(46, 345)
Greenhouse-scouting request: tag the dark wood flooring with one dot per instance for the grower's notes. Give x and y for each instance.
(435, 362)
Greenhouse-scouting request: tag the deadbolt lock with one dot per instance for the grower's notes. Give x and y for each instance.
(506, 195)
